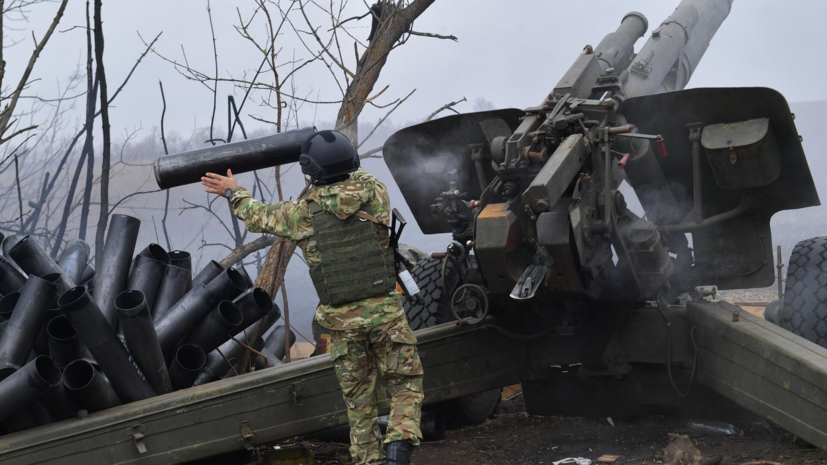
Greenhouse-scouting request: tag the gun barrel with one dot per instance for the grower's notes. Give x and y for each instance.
(241, 157)
(617, 49)
(670, 56)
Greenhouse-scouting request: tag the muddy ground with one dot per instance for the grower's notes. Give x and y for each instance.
(514, 437)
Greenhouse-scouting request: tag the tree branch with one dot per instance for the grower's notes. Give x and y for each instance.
(449, 106)
(6, 114)
(433, 36)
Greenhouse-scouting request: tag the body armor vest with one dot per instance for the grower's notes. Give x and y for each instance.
(354, 265)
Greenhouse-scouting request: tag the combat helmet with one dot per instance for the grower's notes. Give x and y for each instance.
(328, 157)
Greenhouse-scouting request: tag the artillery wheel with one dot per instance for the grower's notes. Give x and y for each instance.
(434, 309)
(805, 295)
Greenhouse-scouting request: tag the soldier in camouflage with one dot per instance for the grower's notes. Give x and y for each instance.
(342, 228)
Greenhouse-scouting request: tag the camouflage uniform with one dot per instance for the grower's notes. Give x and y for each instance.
(366, 334)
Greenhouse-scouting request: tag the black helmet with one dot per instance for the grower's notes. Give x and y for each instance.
(327, 157)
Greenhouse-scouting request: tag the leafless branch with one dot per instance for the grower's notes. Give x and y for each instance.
(384, 118)
(166, 152)
(8, 111)
(371, 153)
(433, 36)
(449, 106)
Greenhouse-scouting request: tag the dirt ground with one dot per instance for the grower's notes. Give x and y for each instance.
(514, 437)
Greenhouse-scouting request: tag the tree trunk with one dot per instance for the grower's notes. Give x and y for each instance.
(105, 160)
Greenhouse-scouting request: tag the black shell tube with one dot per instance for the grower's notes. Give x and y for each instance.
(269, 362)
(74, 260)
(141, 340)
(64, 343)
(238, 361)
(88, 276)
(255, 304)
(8, 243)
(104, 345)
(185, 315)
(217, 328)
(145, 277)
(188, 362)
(32, 259)
(59, 403)
(182, 259)
(112, 278)
(41, 344)
(243, 156)
(28, 317)
(246, 276)
(27, 384)
(216, 365)
(207, 274)
(7, 304)
(174, 284)
(10, 279)
(275, 342)
(157, 252)
(91, 389)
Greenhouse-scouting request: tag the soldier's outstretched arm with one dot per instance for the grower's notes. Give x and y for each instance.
(291, 220)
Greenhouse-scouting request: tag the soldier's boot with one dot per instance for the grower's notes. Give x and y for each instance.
(399, 453)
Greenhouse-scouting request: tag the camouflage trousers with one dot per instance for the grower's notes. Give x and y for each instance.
(358, 356)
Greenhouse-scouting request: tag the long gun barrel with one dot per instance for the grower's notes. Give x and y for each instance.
(670, 56)
(240, 157)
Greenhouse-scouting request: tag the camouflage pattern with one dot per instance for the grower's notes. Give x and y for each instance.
(357, 353)
(293, 220)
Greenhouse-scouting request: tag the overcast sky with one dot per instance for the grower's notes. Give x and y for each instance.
(510, 52)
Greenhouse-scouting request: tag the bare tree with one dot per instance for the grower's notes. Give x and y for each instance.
(107, 144)
(273, 86)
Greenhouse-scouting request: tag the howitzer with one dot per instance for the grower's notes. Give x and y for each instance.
(549, 241)
(534, 196)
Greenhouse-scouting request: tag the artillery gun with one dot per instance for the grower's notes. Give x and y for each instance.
(545, 239)
(555, 279)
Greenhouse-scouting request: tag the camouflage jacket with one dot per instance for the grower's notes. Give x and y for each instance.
(293, 220)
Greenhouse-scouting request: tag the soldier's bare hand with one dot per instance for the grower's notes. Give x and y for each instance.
(217, 184)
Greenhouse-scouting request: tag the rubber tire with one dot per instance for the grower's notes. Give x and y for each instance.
(432, 310)
(805, 294)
